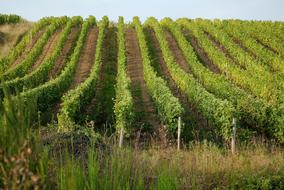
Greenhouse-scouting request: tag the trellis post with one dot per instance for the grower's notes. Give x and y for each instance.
(233, 142)
(120, 137)
(179, 131)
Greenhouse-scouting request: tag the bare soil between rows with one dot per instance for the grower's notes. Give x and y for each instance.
(193, 119)
(143, 105)
(100, 108)
(65, 53)
(47, 50)
(84, 66)
(201, 54)
(28, 48)
(87, 58)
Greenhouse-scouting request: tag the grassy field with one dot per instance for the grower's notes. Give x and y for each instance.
(10, 35)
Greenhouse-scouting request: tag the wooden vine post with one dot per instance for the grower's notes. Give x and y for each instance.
(121, 137)
(233, 142)
(179, 131)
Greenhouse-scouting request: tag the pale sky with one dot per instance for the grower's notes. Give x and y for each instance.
(224, 9)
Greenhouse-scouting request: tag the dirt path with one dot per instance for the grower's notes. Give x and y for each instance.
(253, 54)
(201, 54)
(28, 48)
(47, 50)
(176, 52)
(100, 109)
(267, 46)
(192, 119)
(223, 49)
(143, 106)
(82, 72)
(65, 53)
(86, 59)
(241, 45)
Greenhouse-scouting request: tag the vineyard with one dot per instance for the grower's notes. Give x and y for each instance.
(100, 104)
(140, 78)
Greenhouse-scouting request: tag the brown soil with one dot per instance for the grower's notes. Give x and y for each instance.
(28, 48)
(219, 46)
(86, 59)
(191, 113)
(47, 50)
(266, 46)
(100, 107)
(249, 51)
(61, 60)
(237, 41)
(84, 65)
(176, 52)
(142, 102)
(202, 55)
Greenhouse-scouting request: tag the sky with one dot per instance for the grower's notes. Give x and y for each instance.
(223, 9)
